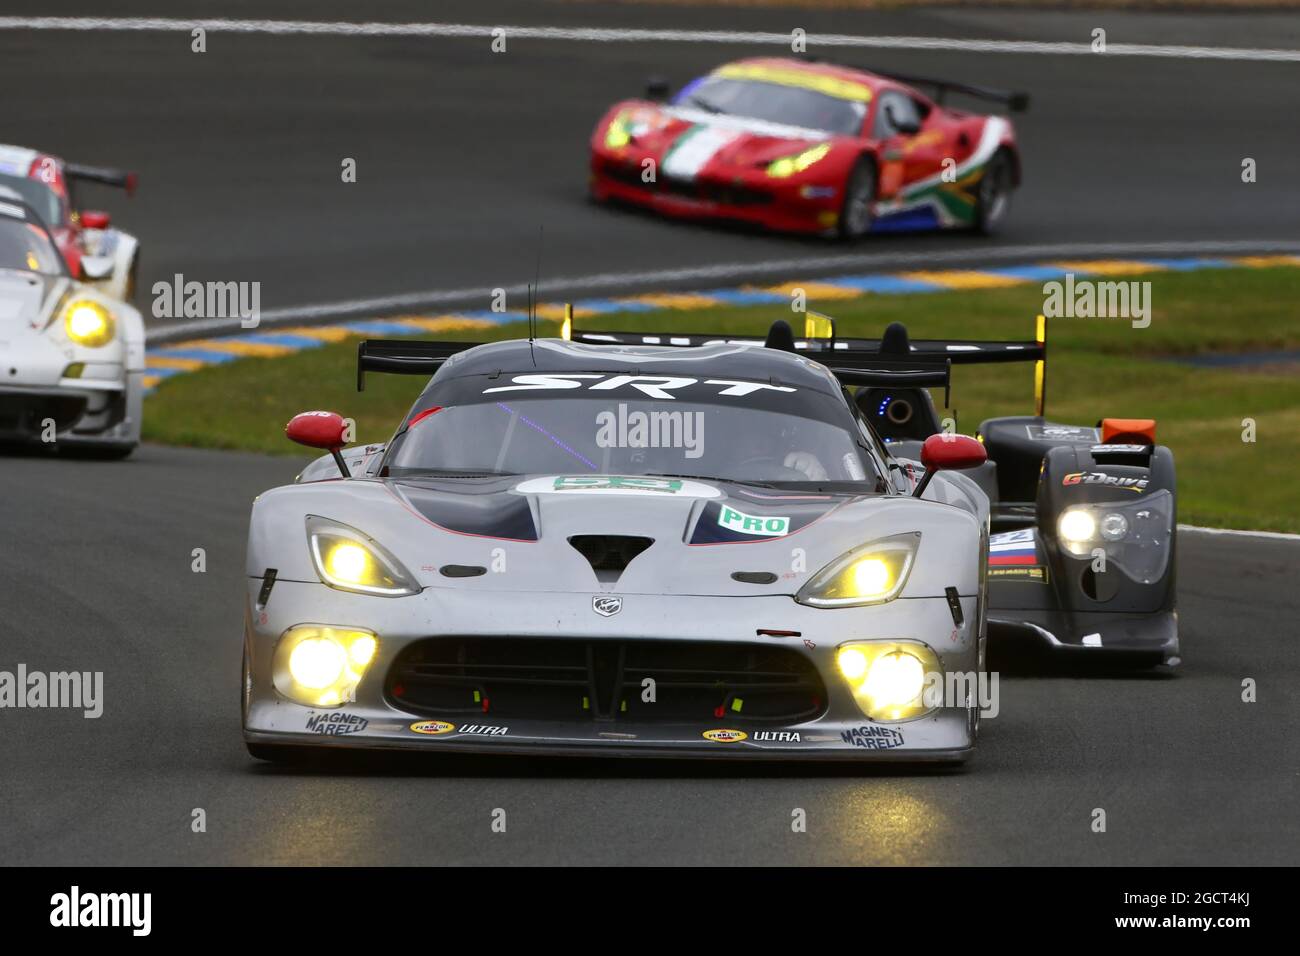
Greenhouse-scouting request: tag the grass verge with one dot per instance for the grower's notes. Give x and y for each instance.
(1098, 367)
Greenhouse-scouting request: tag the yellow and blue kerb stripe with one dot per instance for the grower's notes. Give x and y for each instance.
(176, 359)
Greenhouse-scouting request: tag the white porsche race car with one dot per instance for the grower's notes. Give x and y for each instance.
(71, 357)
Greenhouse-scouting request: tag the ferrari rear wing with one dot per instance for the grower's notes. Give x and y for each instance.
(1017, 102)
(103, 175)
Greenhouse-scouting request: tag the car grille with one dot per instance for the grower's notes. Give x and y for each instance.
(574, 679)
(729, 194)
(24, 414)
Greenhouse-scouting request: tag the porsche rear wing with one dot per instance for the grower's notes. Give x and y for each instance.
(103, 175)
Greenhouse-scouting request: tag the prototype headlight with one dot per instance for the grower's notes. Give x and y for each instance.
(889, 679)
(872, 574)
(321, 666)
(787, 166)
(1135, 535)
(350, 561)
(88, 323)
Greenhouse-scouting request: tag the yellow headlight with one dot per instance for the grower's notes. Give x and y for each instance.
(894, 680)
(322, 666)
(1077, 527)
(787, 166)
(872, 574)
(348, 562)
(316, 663)
(852, 662)
(889, 678)
(872, 577)
(88, 323)
(618, 135)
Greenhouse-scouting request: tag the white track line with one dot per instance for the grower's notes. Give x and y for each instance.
(1276, 535)
(607, 35)
(629, 283)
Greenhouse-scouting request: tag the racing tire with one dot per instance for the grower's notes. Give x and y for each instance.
(856, 212)
(993, 194)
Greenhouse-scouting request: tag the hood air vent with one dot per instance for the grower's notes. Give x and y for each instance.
(609, 554)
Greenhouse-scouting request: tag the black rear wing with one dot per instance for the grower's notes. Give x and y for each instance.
(894, 360)
(103, 175)
(1013, 100)
(404, 357)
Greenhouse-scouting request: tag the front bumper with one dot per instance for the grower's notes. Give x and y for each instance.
(838, 731)
(80, 408)
(758, 200)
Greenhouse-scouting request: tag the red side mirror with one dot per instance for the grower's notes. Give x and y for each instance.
(946, 452)
(952, 452)
(93, 219)
(317, 430)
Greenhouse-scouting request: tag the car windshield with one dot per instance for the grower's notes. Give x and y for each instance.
(725, 439)
(27, 247)
(775, 103)
(36, 194)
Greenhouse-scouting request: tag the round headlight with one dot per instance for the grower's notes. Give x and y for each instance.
(852, 663)
(1114, 526)
(317, 662)
(894, 679)
(1077, 526)
(88, 323)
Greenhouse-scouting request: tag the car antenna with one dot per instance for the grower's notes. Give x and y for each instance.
(532, 298)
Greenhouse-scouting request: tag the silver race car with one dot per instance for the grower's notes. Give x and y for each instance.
(71, 357)
(630, 545)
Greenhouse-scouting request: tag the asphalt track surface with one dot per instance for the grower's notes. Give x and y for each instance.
(463, 154)
(1186, 772)
(461, 157)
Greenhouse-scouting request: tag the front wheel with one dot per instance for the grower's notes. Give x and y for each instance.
(859, 208)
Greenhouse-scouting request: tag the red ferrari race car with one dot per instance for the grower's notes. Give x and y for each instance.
(805, 146)
(95, 252)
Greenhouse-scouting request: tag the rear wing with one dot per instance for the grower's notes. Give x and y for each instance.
(404, 357)
(893, 360)
(103, 175)
(1015, 101)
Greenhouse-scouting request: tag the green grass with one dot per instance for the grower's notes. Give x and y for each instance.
(1098, 367)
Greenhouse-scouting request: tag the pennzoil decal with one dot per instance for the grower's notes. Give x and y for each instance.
(1035, 573)
(616, 485)
(1137, 485)
(770, 526)
(725, 736)
(432, 727)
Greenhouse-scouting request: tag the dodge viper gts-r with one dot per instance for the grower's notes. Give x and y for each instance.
(95, 251)
(71, 357)
(804, 146)
(613, 544)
